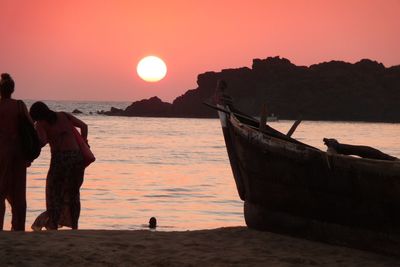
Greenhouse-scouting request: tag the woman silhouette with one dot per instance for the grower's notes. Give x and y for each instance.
(66, 172)
(12, 163)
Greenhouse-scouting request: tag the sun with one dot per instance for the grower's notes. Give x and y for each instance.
(151, 69)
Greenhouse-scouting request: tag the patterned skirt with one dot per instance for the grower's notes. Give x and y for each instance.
(64, 180)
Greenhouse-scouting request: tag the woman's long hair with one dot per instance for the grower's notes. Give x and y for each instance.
(40, 111)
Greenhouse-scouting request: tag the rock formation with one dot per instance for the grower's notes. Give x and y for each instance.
(335, 90)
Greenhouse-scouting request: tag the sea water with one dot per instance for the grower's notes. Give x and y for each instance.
(174, 169)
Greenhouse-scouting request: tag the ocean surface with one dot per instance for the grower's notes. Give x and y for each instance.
(176, 170)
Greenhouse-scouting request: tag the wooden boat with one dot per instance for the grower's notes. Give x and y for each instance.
(293, 188)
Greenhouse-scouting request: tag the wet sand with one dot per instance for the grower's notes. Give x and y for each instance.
(234, 246)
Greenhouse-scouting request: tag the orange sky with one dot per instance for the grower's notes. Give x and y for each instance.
(88, 49)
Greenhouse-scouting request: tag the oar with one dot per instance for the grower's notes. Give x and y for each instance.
(242, 115)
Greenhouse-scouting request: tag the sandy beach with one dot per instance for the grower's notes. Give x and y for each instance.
(234, 246)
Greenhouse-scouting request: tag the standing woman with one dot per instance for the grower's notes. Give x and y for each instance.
(12, 163)
(65, 175)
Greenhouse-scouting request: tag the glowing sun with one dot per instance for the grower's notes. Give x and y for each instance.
(151, 69)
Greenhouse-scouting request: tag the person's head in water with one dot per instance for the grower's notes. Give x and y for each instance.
(6, 85)
(39, 111)
(152, 223)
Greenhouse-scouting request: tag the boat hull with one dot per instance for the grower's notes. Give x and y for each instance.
(291, 188)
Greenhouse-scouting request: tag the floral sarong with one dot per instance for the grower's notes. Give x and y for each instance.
(64, 180)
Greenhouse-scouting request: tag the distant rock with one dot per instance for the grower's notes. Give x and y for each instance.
(152, 107)
(335, 90)
(113, 112)
(77, 111)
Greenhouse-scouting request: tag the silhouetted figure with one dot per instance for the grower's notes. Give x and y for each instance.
(66, 172)
(152, 223)
(12, 163)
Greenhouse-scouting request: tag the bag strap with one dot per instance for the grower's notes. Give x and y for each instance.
(21, 112)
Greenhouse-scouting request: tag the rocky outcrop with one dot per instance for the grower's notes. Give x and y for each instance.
(112, 112)
(335, 90)
(152, 107)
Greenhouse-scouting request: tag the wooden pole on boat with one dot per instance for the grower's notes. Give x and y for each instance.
(263, 118)
(293, 128)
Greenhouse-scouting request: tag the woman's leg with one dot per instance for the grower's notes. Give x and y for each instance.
(75, 212)
(17, 199)
(41, 221)
(75, 201)
(54, 197)
(4, 178)
(2, 212)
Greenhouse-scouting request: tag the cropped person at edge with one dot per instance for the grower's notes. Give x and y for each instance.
(12, 163)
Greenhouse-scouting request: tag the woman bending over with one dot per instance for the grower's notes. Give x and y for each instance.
(65, 175)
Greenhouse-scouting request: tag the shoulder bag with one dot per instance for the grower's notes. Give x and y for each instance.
(29, 138)
(87, 154)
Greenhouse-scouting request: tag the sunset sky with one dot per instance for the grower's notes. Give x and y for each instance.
(88, 49)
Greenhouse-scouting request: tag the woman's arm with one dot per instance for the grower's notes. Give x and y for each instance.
(80, 124)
